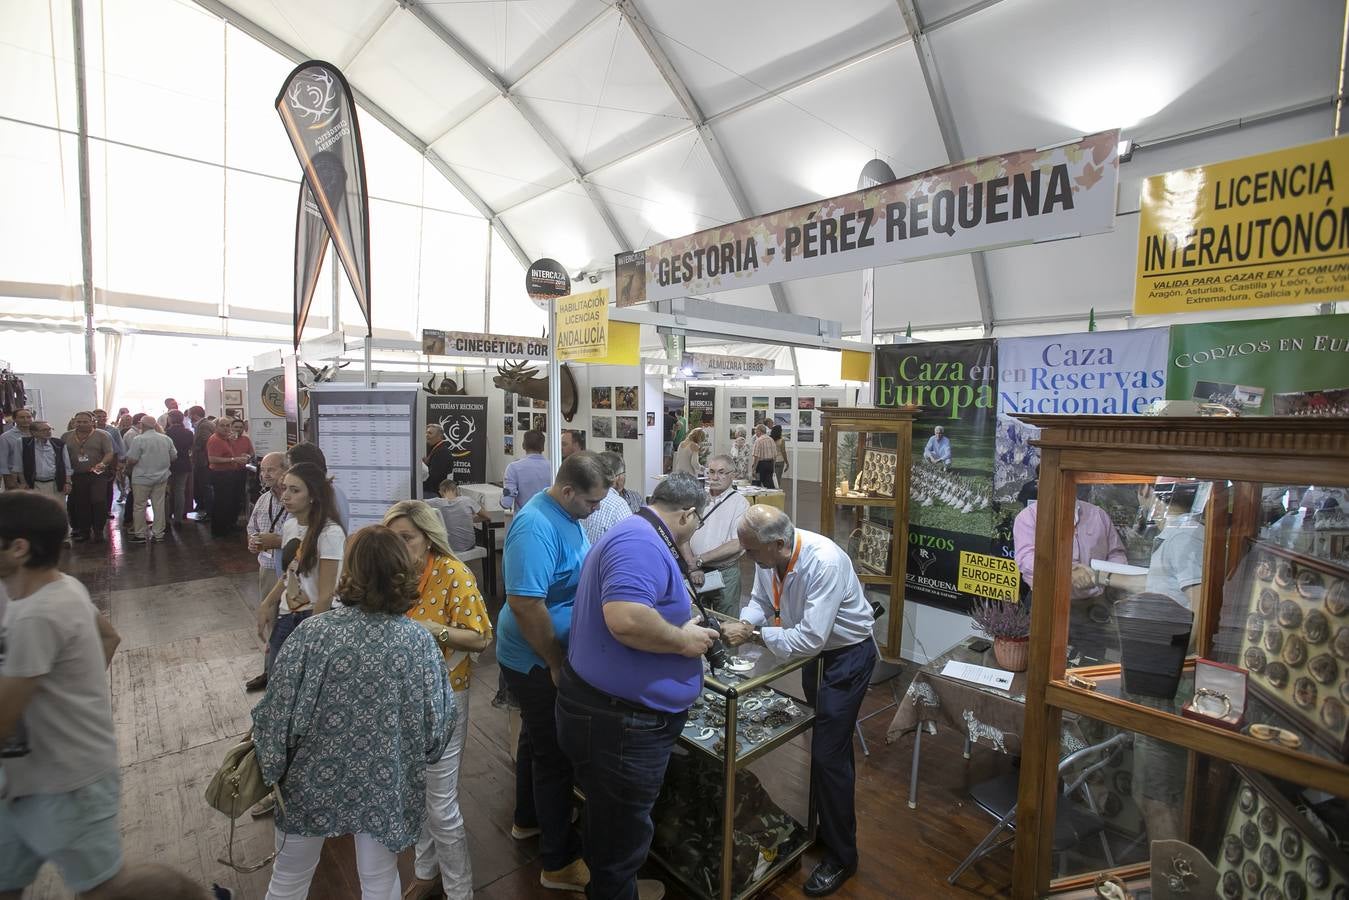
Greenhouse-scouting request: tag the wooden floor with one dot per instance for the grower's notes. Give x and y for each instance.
(184, 609)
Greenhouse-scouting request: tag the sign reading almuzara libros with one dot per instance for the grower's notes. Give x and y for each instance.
(997, 201)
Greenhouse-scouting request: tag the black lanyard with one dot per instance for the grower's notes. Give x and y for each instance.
(654, 521)
(664, 532)
(271, 497)
(706, 517)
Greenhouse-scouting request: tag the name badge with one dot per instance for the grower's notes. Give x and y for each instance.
(84, 457)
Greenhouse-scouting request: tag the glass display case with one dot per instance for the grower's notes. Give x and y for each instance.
(864, 504)
(1205, 623)
(728, 822)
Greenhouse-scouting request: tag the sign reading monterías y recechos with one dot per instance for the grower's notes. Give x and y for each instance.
(1030, 195)
(1257, 231)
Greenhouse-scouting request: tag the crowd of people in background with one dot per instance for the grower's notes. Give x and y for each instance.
(159, 471)
(355, 744)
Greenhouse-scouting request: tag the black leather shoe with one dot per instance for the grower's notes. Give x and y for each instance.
(827, 878)
(256, 683)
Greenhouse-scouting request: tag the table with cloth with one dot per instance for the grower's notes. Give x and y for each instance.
(985, 715)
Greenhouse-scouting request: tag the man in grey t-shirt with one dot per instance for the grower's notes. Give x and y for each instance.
(459, 514)
(58, 754)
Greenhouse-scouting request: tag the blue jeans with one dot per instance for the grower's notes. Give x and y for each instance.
(619, 754)
(285, 624)
(559, 844)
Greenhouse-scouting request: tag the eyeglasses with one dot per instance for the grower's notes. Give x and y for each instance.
(718, 472)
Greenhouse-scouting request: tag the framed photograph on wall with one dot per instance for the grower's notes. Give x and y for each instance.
(508, 444)
(233, 397)
(625, 399)
(601, 398)
(805, 435)
(614, 447)
(738, 418)
(739, 402)
(602, 426)
(627, 427)
(509, 425)
(650, 420)
(522, 421)
(803, 418)
(805, 402)
(782, 402)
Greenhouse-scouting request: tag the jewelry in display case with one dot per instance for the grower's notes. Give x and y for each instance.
(1271, 849)
(878, 473)
(1295, 640)
(872, 550)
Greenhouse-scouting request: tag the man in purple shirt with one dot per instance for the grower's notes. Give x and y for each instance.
(633, 669)
(1094, 537)
(526, 477)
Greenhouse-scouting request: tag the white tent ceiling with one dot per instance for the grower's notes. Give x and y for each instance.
(584, 127)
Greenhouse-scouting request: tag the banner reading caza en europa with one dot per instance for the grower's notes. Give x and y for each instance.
(951, 559)
(997, 201)
(1267, 367)
(464, 420)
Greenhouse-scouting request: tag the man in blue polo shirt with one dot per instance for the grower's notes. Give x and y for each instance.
(541, 565)
(633, 669)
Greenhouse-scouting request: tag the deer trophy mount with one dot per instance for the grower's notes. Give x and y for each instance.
(327, 373)
(525, 380)
(447, 387)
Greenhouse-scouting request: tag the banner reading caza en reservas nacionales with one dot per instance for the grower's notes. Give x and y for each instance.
(997, 201)
(951, 555)
(1265, 230)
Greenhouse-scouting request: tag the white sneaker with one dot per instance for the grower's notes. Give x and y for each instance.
(650, 889)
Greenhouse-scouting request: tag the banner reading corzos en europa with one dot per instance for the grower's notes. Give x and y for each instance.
(1259, 231)
(952, 556)
(996, 201)
(1266, 367)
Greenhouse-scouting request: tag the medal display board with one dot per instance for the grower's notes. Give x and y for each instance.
(1271, 850)
(1295, 640)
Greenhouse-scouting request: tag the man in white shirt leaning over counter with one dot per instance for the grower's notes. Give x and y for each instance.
(807, 601)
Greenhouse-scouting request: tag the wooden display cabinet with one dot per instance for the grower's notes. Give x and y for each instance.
(864, 504)
(1270, 502)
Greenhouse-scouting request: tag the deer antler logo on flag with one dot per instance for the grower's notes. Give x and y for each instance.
(313, 98)
(459, 431)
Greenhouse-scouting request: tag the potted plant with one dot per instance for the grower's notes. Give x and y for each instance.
(1008, 624)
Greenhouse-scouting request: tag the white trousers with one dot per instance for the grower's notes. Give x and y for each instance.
(443, 839)
(153, 495)
(293, 869)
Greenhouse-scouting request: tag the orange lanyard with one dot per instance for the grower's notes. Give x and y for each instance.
(777, 583)
(426, 574)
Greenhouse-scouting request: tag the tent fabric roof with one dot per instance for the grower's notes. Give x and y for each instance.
(580, 128)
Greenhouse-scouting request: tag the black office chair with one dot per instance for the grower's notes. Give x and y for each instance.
(1073, 823)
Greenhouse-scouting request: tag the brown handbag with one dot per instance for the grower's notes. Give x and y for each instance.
(236, 787)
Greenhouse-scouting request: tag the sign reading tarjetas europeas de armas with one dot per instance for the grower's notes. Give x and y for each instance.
(997, 201)
(1260, 231)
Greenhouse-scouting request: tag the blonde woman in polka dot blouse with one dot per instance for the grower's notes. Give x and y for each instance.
(450, 606)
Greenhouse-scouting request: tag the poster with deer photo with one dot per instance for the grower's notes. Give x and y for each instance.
(464, 420)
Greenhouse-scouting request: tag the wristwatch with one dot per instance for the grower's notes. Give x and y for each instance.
(698, 562)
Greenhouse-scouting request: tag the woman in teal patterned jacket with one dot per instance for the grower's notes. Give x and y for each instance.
(357, 705)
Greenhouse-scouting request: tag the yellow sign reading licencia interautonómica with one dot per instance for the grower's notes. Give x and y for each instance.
(583, 325)
(1260, 231)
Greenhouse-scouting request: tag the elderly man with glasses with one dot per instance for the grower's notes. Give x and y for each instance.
(715, 545)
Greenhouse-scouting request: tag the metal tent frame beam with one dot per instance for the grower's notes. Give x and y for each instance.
(461, 50)
(946, 125)
(258, 33)
(705, 133)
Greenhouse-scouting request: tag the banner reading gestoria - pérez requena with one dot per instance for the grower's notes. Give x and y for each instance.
(951, 555)
(997, 201)
(1264, 367)
(1260, 231)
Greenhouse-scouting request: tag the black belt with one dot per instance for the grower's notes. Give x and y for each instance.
(44, 480)
(596, 697)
